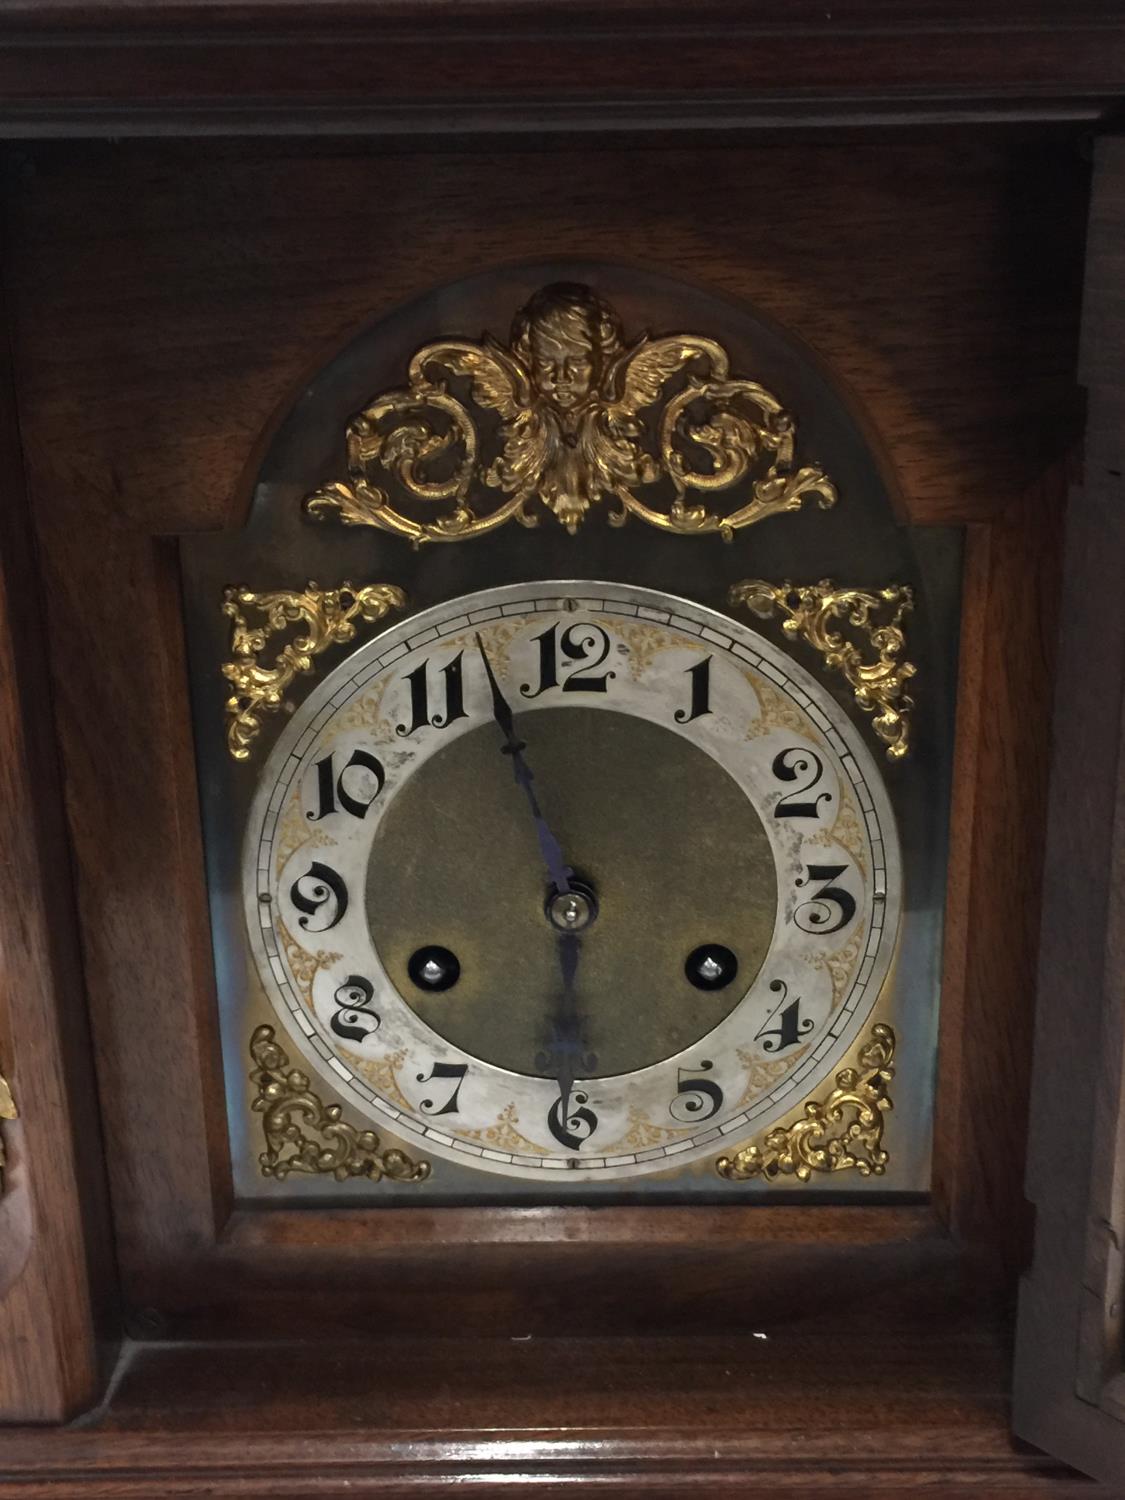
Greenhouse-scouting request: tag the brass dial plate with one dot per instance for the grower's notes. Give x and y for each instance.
(315, 864)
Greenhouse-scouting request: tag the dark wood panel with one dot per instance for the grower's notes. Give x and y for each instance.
(1069, 1311)
(180, 298)
(1008, 633)
(517, 65)
(886, 1401)
(55, 1260)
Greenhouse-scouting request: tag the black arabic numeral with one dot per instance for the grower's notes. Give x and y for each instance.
(354, 1021)
(578, 1125)
(319, 892)
(700, 676)
(586, 645)
(443, 1071)
(354, 793)
(419, 680)
(790, 1027)
(818, 910)
(697, 1099)
(791, 765)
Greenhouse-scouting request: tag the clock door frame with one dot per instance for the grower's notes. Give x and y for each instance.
(193, 1262)
(1070, 1363)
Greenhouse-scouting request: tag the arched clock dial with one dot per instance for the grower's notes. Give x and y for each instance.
(572, 879)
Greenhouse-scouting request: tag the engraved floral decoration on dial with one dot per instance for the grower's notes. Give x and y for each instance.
(650, 943)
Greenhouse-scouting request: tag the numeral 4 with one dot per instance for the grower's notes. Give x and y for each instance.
(789, 1025)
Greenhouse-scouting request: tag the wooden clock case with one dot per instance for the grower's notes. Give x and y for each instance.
(912, 201)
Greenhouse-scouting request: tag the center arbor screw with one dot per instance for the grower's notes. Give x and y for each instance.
(573, 910)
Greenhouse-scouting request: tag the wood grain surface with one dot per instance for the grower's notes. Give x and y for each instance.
(55, 1256)
(1069, 1353)
(1009, 626)
(432, 66)
(183, 296)
(867, 1402)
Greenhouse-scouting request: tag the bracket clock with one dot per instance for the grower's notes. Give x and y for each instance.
(559, 736)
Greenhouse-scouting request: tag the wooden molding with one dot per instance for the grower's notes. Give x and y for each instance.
(435, 66)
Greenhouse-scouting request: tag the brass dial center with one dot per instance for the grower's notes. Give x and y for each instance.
(672, 854)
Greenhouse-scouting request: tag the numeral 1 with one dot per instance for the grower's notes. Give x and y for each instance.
(419, 680)
(700, 676)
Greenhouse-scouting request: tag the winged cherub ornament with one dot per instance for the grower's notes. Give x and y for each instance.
(582, 418)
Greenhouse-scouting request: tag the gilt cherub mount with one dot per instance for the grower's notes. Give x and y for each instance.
(569, 417)
(579, 419)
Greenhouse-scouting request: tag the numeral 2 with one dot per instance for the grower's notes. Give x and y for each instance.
(791, 765)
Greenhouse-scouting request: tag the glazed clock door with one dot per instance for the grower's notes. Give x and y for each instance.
(578, 836)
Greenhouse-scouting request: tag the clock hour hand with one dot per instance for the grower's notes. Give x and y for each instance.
(558, 870)
(567, 1056)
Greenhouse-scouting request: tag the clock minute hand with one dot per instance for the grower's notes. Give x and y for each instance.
(549, 846)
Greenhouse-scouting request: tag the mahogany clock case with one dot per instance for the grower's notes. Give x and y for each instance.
(167, 306)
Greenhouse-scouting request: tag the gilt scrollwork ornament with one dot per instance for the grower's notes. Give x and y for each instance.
(567, 415)
(875, 669)
(841, 1133)
(8, 1111)
(329, 616)
(303, 1134)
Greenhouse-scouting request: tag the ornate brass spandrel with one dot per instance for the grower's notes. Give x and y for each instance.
(876, 669)
(8, 1111)
(303, 1134)
(330, 618)
(841, 1133)
(579, 418)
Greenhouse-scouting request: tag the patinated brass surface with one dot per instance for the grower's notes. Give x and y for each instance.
(329, 616)
(303, 1134)
(815, 612)
(676, 853)
(657, 428)
(839, 1134)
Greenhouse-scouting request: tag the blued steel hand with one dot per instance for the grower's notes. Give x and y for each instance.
(549, 846)
(567, 1049)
